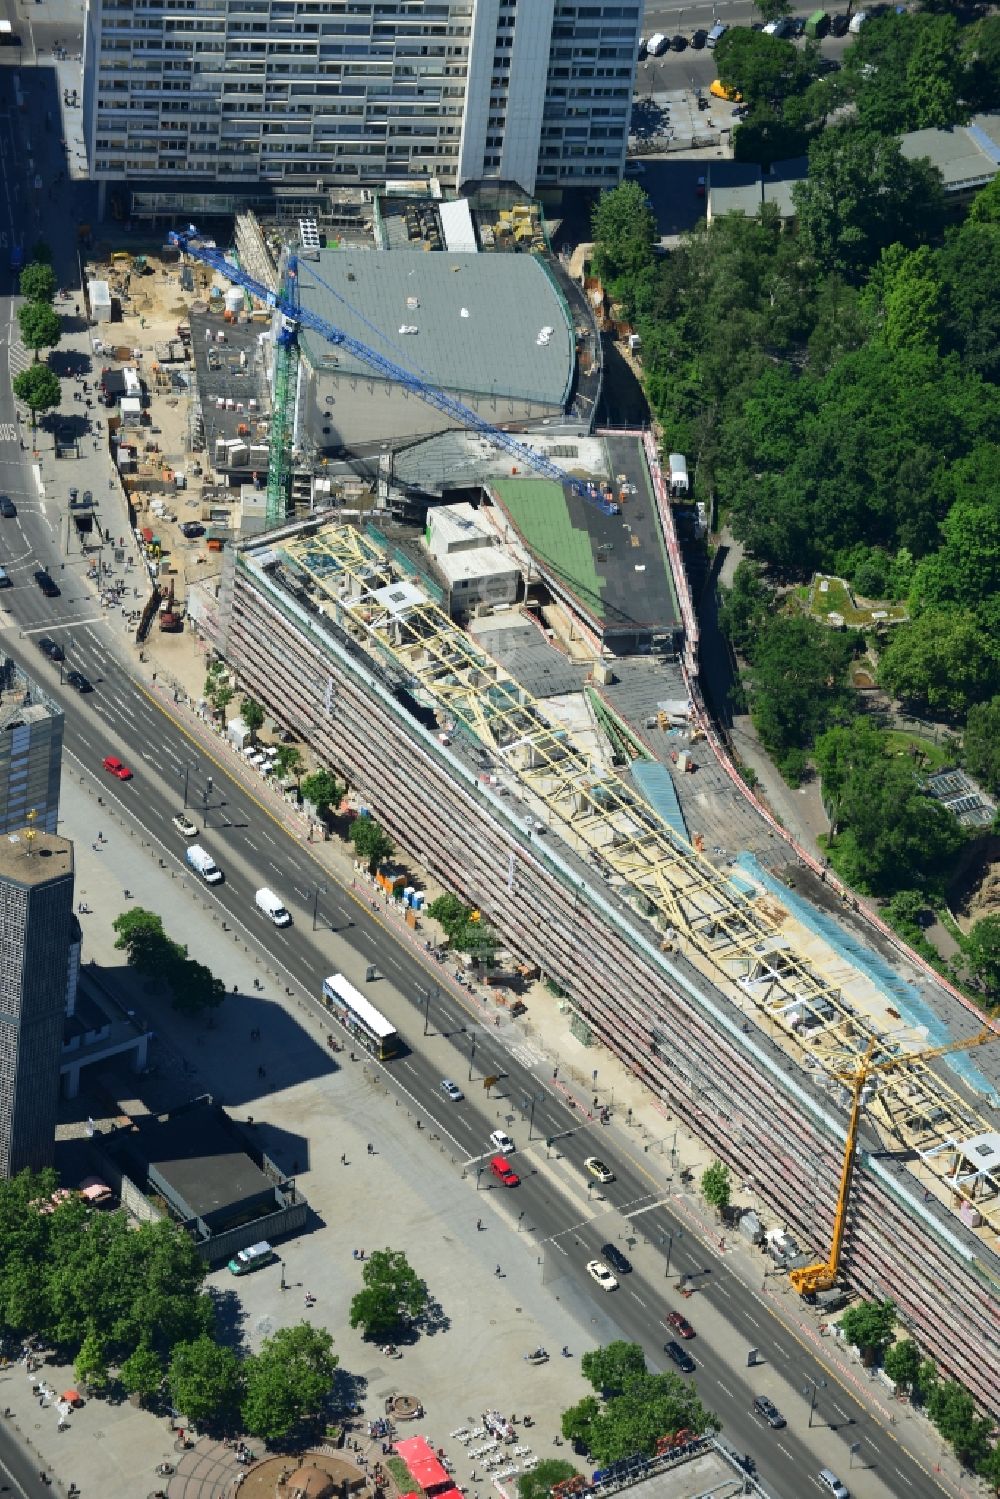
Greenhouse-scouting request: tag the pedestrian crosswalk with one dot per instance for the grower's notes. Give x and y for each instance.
(18, 357)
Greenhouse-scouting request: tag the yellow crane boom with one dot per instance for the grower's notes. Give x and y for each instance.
(820, 1277)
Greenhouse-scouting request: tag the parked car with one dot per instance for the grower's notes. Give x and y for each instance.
(451, 1090)
(47, 584)
(51, 648)
(114, 767)
(678, 43)
(79, 681)
(597, 1168)
(768, 1411)
(680, 1324)
(184, 825)
(839, 25)
(7, 507)
(598, 1270)
(699, 39)
(191, 529)
(616, 1259)
(680, 1357)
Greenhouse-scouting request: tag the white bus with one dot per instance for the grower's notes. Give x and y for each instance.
(359, 1018)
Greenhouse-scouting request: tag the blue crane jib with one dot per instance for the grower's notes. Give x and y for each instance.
(295, 316)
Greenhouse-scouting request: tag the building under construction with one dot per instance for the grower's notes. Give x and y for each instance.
(734, 1012)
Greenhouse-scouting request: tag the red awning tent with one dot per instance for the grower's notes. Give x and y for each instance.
(425, 1468)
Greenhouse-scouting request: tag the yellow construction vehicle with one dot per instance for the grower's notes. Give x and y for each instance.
(820, 1277)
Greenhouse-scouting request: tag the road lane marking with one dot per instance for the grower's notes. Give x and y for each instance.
(724, 1389)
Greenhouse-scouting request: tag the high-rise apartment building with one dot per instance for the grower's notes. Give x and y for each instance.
(31, 734)
(36, 925)
(298, 94)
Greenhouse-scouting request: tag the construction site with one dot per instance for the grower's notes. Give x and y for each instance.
(552, 800)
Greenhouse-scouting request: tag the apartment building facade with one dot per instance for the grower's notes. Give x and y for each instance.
(31, 735)
(306, 94)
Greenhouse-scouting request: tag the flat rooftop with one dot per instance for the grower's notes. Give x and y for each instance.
(202, 1159)
(34, 858)
(615, 566)
(478, 320)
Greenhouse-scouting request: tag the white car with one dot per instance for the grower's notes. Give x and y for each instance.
(598, 1270)
(502, 1142)
(599, 1169)
(184, 825)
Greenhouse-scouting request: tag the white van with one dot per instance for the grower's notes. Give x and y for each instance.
(254, 1257)
(657, 44)
(202, 863)
(272, 908)
(716, 34)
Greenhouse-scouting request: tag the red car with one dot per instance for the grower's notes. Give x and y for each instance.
(504, 1171)
(680, 1325)
(115, 767)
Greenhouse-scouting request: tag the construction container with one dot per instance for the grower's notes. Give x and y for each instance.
(99, 298)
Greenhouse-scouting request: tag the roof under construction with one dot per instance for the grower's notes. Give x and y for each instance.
(821, 1010)
(481, 325)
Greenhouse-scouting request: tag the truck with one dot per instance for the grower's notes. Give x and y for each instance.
(679, 484)
(817, 25)
(202, 863)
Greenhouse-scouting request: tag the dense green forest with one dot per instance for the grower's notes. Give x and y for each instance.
(836, 387)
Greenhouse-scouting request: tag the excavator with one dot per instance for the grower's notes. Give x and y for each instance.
(810, 1279)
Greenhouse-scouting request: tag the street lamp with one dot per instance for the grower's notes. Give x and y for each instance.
(810, 1390)
(472, 1052)
(320, 890)
(430, 994)
(535, 1098)
(669, 1236)
(185, 771)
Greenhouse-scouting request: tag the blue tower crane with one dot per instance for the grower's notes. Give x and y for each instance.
(295, 316)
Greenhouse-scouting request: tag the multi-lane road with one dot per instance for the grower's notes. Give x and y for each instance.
(569, 1221)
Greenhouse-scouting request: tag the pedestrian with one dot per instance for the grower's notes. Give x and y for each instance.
(497, 1272)
(371, 1149)
(343, 1160)
(479, 1225)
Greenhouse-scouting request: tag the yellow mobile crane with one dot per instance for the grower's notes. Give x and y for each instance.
(821, 1276)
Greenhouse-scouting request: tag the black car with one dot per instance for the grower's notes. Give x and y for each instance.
(79, 681)
(839, 25)
(48, 585)
(51, 648)
(699, 39)
(614, 1257)
(678, 43)
(7, 507)
(769, 1412)
(192, 528)
(798, 25)
(681, 1357)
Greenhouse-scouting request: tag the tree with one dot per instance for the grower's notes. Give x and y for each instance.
(716, 1187)
(142, 1373)
(744, 607)
(982, 954)
(652, 1406)
(861, 195)
(289, 762)
(942, 660)
(624, 229)
(371, 842)
(901, 1362)
(91, 1364)
(252, 715)
(981, 743)
(393, 1294)
(869, 1324)
(323, 790)
(141, 937)
(206, 1380)
(37, 282)
(762, 68)
(610, 1369)
(195, 988)
(288, 1380)
(38, 388)
(797, 686)
(40, 324)
(772, 10)
(953, 1411)
(927, 1380)
(539, 1483)
(989, 1468)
